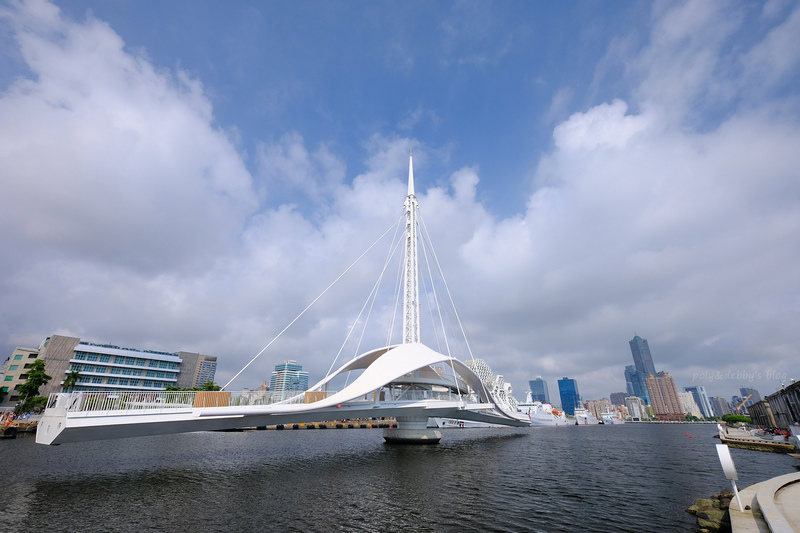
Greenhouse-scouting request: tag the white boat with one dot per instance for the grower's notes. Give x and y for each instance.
(541, 414)
(751, 439)
(610, 417)
(584, 418)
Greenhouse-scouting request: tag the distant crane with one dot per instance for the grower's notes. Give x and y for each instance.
(743, 402)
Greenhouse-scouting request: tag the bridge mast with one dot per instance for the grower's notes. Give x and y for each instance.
(411, 298)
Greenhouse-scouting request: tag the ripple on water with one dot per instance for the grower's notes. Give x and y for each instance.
(634, 477)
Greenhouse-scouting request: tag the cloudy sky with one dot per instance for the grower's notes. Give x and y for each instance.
(191, 175)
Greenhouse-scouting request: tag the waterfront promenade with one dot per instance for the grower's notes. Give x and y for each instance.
(770, 506)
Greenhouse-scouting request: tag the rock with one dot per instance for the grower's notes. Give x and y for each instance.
(711, 513)
(701, 504)
(711, 519)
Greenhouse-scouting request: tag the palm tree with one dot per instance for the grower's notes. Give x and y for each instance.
(72, 379)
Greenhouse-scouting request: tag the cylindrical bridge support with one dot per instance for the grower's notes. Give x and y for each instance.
(412, 430)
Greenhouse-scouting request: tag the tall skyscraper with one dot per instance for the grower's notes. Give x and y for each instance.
(635, 381)
(641, 355)
(539, 390)
(288, 377)
(753, 394)
(701, 399)
(570, 397)
(664, 397)
(720, 406)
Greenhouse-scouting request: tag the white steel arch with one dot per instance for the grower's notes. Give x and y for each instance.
(401, 381)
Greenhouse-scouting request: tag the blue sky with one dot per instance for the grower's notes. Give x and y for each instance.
(189, 175)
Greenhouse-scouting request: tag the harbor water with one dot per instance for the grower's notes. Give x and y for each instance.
(631, 477)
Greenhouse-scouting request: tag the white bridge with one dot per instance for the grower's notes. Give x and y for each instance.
(408, 381)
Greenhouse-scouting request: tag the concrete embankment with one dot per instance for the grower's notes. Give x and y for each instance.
(770, 506)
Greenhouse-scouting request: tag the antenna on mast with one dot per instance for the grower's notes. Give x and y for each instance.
(410, 173)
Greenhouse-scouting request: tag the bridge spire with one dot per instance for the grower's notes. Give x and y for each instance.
(411, 298)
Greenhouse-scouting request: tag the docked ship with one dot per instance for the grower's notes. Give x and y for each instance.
(611, 417)
(541, 414)
(583, 417)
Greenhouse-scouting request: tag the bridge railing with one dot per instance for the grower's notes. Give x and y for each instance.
(138, 401)
(419, 395)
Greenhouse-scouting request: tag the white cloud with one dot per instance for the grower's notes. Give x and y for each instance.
(776, 56)
(289, 166)
(604, 126)
(115, 177)
(118, 161)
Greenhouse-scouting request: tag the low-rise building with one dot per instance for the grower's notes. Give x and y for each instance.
(105, 367)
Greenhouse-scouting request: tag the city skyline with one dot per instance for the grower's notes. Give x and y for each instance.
(191, 175)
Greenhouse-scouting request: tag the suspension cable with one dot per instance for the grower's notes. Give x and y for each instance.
(439, 307)
(309, 306)
(452, 303)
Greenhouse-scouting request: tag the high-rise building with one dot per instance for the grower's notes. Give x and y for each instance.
(664, 397)
(701, 399)
(641, 355)
(288, 377)
(598, 407)
(196, 369)
(570, 397)
(635, 382)
(636, 408)
(618, 398)
(749, 396)
(688, 404)
(539, 390)
(720, 406)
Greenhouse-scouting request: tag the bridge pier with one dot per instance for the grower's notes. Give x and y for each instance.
(412, 430)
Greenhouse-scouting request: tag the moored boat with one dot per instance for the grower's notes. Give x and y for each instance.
(611, 417)
(541, 414)
(756, 440)
(585, 418)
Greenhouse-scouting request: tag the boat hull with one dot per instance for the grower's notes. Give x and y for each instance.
(737, 438)
(542, 414)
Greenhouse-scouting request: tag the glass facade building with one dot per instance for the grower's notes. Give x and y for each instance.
(635, 382)
(105, 368)
(642, 359)
(701, 399)
(539, 390)
(570, 397)
(288, 377)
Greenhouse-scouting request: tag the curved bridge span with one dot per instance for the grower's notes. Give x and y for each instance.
(408, 381)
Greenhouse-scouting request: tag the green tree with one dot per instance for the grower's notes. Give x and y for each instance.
(30, 389)
(72, 379)
(734, 419)
(209, 385)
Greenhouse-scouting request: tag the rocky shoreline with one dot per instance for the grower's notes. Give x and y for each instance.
(712, 513)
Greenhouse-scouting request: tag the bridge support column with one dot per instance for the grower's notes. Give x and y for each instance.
(412, 430)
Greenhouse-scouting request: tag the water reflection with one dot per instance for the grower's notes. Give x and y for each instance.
(617, 478)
